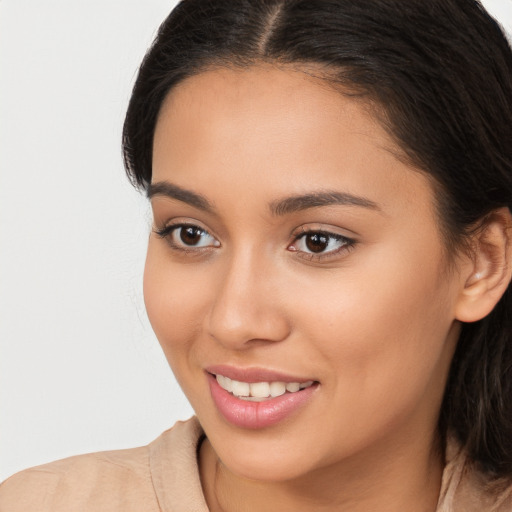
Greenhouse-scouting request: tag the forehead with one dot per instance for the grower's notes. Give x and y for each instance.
(280, 131)
(270, 97)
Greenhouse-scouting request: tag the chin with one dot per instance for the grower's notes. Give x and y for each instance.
(273, 455)
(266, 467)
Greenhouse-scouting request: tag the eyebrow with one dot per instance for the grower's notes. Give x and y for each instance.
(278, 208)
(166, 189)
(317, 199)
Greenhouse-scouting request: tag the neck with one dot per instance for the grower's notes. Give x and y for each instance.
(403, 479)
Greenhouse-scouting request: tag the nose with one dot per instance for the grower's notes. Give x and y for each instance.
(246, 308)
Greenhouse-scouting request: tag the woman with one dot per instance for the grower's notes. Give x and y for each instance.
(328, 270)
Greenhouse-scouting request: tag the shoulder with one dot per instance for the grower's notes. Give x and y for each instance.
(160, 476)
(490, 493)
(468, 489)
(115, 480)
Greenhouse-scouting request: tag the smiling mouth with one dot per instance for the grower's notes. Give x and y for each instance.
(260, 391)
(246, 400)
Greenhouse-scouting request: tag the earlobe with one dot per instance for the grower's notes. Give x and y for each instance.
(488, 274)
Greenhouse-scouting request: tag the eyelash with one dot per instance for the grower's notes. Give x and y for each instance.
(167, 232)
(347, 244)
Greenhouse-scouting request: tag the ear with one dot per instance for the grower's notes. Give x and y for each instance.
(487, 273)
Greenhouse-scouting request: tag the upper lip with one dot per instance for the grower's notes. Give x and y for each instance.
(255, 374)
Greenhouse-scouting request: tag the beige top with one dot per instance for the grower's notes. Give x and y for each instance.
(164, 477)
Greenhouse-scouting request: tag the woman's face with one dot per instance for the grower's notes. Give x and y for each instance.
(295, 246)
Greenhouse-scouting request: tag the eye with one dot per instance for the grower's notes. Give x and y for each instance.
(320, 243)
(185, 236)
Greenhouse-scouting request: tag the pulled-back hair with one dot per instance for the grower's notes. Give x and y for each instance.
(440, 74)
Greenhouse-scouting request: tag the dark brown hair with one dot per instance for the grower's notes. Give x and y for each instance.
(441, 71)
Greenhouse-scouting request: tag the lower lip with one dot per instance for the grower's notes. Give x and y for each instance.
(257, 415)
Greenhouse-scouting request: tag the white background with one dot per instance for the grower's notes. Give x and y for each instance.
(80, 369)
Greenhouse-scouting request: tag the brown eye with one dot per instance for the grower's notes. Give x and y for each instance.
(316, 242)
(320, 243)
(190, 235)
(183, 236)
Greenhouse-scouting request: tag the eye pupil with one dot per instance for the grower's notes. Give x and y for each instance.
(190, 235)
(317, 242)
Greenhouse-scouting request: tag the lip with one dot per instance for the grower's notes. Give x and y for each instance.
(258, 415)
(255, 374)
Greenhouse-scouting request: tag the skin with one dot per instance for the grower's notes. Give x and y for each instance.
(374, 323)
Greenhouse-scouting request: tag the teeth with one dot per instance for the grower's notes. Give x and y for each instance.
(228, 384)
(277, 388)
(252, 398)
(258, 391)
(225, 382)
(240, 388)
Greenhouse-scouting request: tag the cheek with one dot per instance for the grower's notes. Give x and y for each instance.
(174, 301)
(381, 330)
